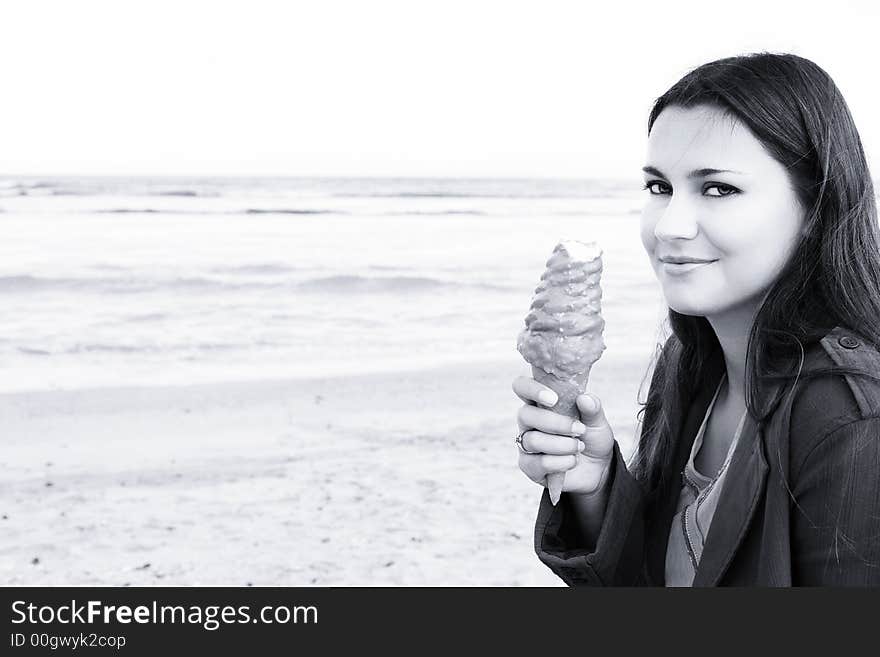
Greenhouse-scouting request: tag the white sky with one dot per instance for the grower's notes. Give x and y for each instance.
(374, 87)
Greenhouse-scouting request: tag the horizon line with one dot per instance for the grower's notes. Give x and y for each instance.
(315, 176)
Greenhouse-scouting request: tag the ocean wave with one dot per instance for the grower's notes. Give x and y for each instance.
(99, 347)
(132, 211)
(584, 212)
(288, 211)
(91, 348)
(160, 193)
(181, 211)
(470, 195)
(438, 213)
(339, 284)
(389, 268)
(27, 283)
(30, 351)
(429, 195)
(479, 194)
(180, 192)
(150, 348)
(122, 285)
(87, 186)
(361, 284)
(256, 268)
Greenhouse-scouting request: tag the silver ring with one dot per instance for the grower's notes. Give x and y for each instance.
(519, 440)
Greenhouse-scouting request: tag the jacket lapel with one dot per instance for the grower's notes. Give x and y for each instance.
(743, 487)
(686, 433)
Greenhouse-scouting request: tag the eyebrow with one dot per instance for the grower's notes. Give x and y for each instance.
(696, 173)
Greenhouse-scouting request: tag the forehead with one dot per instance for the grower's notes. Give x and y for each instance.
(689, 138)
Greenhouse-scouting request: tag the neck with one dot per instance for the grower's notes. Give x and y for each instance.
(732, 330)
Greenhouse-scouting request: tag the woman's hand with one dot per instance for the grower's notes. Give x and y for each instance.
(581, 449)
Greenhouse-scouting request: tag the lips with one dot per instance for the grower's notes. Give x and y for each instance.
(677, 269)
(681, 260)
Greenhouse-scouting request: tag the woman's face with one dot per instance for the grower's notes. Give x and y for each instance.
(715, 195)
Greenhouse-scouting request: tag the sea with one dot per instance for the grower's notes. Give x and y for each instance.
(119, 281)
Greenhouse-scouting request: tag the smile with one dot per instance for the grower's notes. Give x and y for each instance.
(674, 269)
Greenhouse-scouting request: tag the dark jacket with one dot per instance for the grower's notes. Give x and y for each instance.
(800, 505)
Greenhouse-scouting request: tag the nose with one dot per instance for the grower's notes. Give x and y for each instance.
(678, 220)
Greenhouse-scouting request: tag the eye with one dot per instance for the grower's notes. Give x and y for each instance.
(655, 187)
(722, 189)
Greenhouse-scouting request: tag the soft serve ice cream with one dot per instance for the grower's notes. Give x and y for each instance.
(562, 337)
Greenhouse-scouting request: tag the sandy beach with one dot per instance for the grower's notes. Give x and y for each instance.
(405, 478)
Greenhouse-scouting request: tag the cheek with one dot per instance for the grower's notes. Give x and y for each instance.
(759, 250)
(758, 265)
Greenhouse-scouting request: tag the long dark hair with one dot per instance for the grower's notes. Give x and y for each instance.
(833, 276)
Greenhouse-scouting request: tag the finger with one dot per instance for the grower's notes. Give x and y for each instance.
(536, 441)
(537, 466)
(531, 466)
(549, 422)
(598, 437)
(529, 390)
(550, 463)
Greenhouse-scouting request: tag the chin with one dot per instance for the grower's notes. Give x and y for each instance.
(692, 306)
(707, 305)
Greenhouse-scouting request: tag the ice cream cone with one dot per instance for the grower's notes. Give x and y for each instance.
(562, 337)
(567, 391)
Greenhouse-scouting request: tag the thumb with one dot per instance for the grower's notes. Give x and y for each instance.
(598, 437)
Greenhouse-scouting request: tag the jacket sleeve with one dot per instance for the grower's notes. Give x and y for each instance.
(617, 557)
(836, 514)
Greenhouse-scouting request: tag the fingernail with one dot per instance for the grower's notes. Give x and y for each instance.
(548, 397)
(591, 403)
(578, 428)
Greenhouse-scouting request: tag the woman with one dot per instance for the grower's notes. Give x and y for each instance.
(762, 421)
